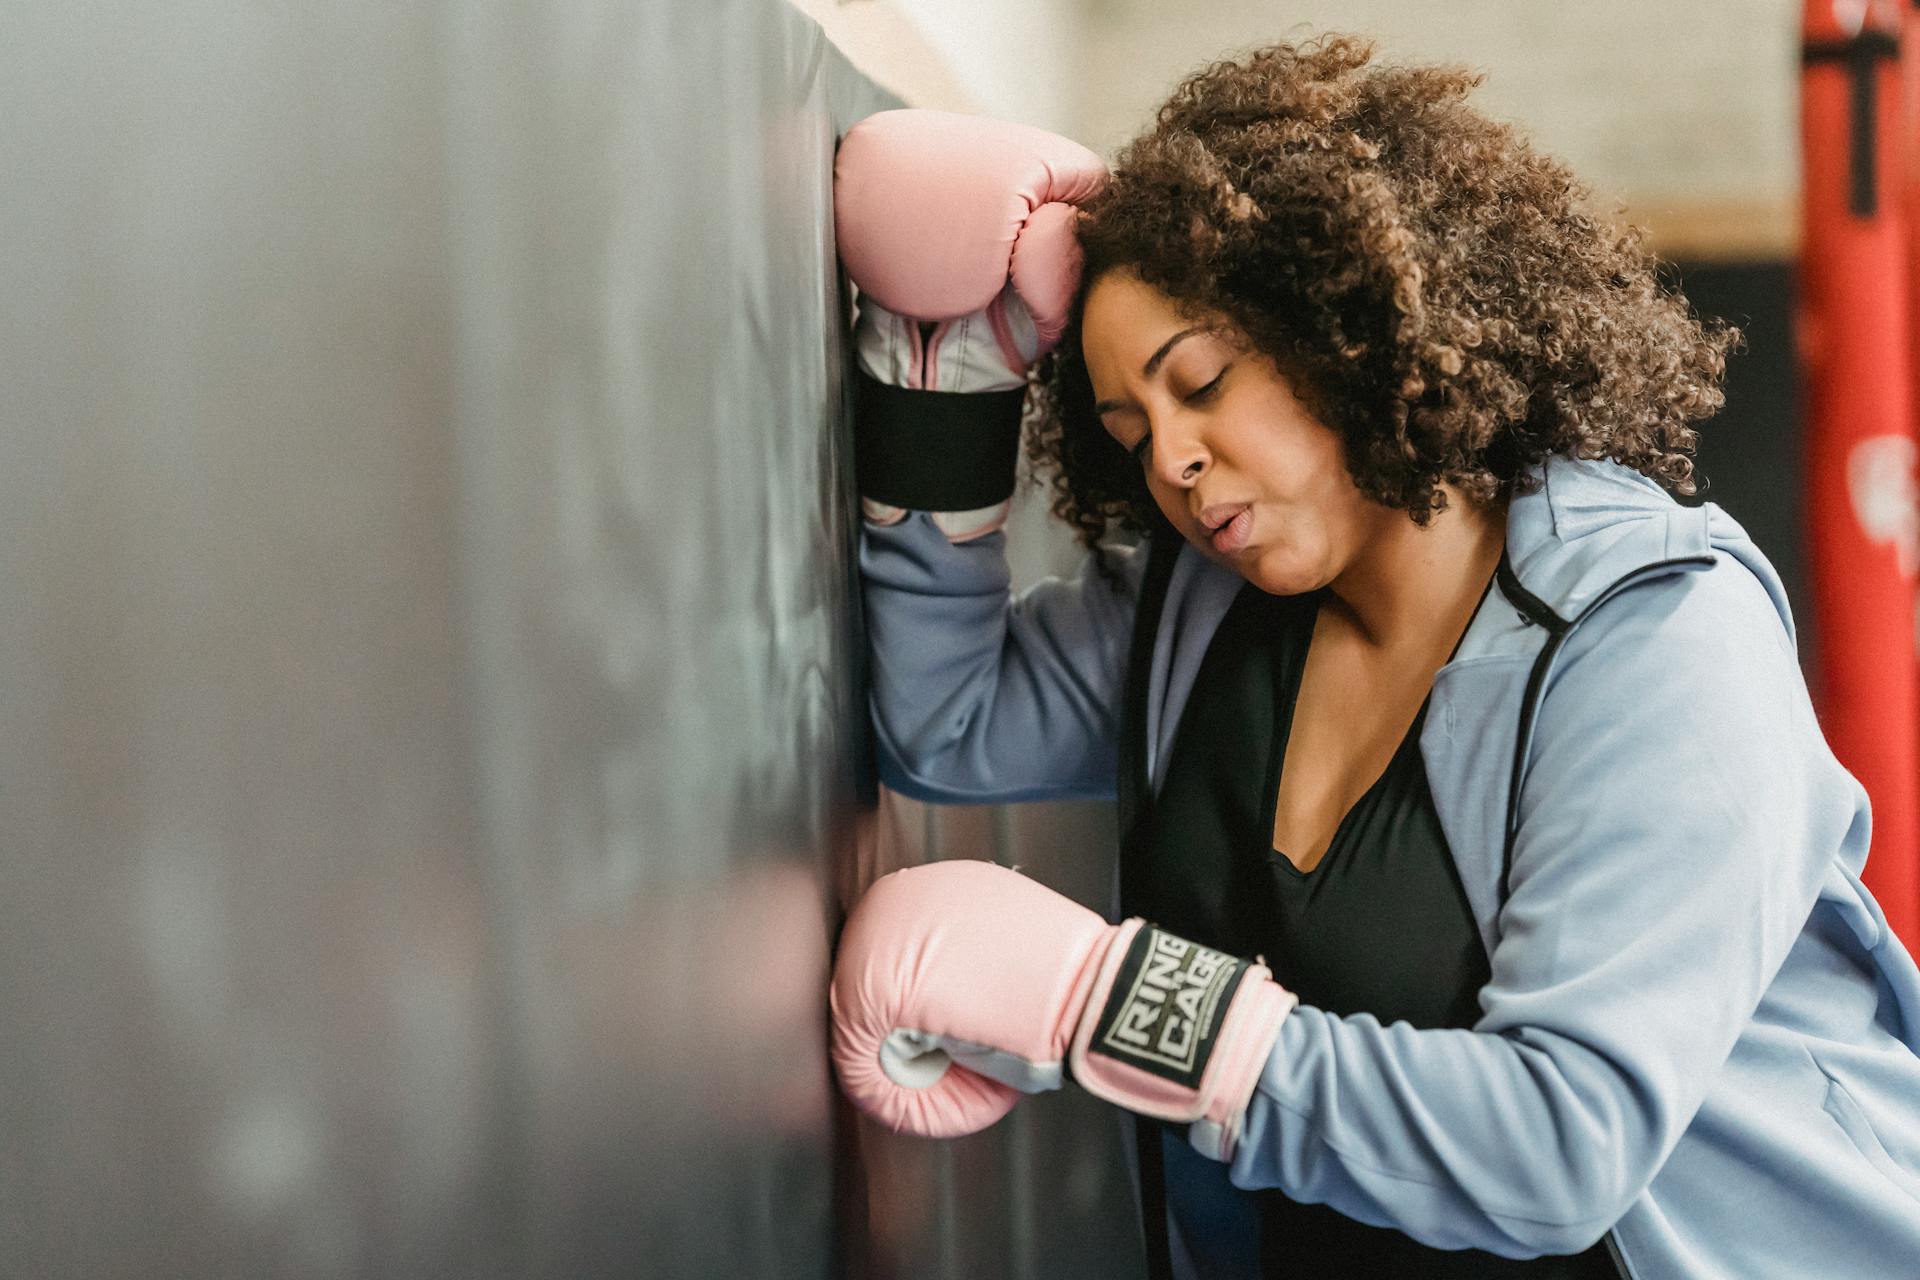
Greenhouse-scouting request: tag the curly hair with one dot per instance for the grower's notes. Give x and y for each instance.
(1429, 283)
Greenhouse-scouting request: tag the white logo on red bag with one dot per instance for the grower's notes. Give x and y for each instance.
(1851, 15)
(1886, 504)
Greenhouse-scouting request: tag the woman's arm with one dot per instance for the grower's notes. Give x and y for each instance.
(981, 696)
(1678, 814)
(959, 232)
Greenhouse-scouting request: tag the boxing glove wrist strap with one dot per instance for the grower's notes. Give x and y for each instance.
(935, 450)
(1178, 1032)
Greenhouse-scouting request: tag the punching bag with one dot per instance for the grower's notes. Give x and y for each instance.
(1855, 351)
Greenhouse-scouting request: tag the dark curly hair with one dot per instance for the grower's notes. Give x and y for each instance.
(1430, 284)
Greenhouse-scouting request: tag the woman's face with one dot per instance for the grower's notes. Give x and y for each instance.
(1234, 460)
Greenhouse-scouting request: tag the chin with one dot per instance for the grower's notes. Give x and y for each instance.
(1280, 574)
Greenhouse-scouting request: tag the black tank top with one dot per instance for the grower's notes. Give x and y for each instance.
(1379, 926)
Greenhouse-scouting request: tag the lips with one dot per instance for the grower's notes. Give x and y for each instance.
(1232, 527)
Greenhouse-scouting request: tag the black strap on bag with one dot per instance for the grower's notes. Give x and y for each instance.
(1861, 55)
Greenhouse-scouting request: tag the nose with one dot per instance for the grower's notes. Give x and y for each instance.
(1180, 456)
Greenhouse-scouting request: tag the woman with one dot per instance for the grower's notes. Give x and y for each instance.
(1420, 687)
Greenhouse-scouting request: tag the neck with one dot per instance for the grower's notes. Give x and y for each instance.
(1414, 586)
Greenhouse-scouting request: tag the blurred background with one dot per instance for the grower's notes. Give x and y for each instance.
(435, 762)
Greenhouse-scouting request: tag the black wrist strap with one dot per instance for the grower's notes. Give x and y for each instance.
(935, 450)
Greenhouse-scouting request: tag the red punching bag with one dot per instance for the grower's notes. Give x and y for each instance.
(1862, 526)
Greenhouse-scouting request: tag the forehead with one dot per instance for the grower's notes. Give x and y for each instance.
(1126, 323)
(1123, 310)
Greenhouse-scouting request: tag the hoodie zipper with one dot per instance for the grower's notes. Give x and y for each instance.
(1619, 1259)
(1558, 629)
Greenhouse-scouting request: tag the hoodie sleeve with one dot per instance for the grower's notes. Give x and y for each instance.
(980, 696)
(1677, 814)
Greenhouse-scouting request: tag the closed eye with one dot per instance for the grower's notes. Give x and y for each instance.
(1206, 392)
(1142, 451)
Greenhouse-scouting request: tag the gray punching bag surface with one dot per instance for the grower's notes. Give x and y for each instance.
(427, 670)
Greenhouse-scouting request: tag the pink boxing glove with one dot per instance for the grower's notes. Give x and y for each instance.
(961, 985)
(937, 213)
(959, 232)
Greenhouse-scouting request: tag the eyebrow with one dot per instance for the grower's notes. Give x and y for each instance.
(1152, 365)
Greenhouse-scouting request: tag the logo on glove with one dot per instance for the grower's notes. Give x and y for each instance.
(1166, 1005)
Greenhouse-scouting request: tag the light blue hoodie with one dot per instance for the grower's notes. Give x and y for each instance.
(1699, 1037)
